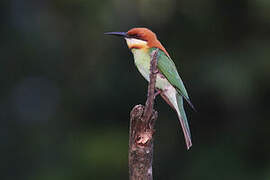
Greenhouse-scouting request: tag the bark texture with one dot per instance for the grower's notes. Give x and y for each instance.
(142, 121)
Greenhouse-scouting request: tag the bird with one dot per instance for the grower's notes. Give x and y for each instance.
(142, 42)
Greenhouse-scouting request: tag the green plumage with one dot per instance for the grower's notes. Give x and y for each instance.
(183, 113)
(167, 67)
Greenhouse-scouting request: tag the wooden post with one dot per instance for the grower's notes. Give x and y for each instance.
(142, 121)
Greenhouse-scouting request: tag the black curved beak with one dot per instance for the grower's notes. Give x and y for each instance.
(122, 34)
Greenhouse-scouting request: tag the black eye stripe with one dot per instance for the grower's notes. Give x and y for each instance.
(136, 36)
(133, 35)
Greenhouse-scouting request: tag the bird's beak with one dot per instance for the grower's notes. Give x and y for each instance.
(122, 34)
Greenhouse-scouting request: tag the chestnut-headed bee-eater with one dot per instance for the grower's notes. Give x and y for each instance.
(142, 42)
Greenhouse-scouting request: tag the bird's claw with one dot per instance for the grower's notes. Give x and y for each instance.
(157, 93)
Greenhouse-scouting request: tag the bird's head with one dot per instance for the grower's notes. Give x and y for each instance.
(140, 38)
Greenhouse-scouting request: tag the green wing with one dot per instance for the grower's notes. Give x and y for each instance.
(168, 69)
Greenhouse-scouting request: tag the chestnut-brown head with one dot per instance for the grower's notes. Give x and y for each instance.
(142, 34)
(140, 38)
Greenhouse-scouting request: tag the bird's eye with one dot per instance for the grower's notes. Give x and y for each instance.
(137, 36)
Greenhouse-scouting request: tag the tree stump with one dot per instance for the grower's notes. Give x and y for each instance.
(142, 121)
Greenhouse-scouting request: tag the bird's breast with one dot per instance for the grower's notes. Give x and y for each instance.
(142, 61)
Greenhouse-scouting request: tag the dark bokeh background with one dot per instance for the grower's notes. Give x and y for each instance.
(66, 90)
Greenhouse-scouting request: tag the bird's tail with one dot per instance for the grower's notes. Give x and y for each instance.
(183, 120)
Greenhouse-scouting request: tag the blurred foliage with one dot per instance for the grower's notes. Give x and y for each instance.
(67, 90)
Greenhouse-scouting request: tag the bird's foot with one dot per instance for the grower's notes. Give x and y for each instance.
(157, 93)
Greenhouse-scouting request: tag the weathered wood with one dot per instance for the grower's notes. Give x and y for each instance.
(142, 121)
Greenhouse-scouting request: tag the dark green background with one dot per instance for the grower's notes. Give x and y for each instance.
(66, 89)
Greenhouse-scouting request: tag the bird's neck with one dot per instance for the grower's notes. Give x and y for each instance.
(134, 43)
